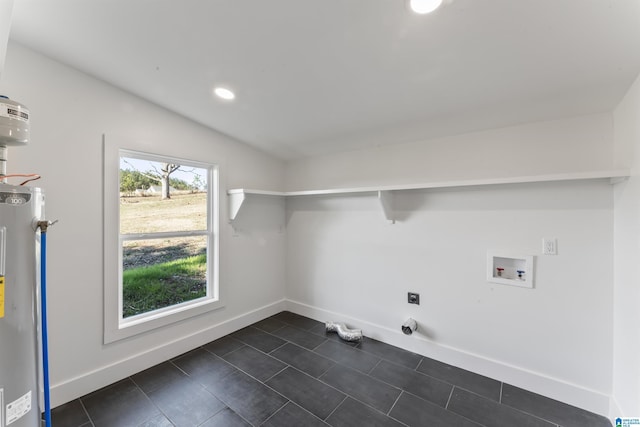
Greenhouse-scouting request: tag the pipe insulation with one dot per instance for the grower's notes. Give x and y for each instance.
(43, 227)
(343, 331)
(43, 323)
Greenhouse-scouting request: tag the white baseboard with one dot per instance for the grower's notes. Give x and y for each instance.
(563, 391)
(572, 394)
(88, 382)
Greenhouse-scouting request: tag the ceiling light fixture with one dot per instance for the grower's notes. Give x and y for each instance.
(224, 93)
(424, 6)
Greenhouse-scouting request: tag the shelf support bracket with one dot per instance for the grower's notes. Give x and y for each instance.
(617, 179)
(386, 201)
(235, 203)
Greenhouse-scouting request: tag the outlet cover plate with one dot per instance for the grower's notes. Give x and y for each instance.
(549, 246)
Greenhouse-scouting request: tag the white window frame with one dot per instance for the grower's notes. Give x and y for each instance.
(115, 326)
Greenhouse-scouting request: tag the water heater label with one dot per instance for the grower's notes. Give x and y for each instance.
(18, 408)
(13, 112)
(14, 199)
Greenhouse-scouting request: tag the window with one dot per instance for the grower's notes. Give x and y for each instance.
(161, 249)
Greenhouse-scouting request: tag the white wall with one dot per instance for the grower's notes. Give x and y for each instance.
(571, 145)
(70, 111)
(626, 345)
(345, 261)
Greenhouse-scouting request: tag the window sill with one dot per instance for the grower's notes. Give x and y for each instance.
(157, 319)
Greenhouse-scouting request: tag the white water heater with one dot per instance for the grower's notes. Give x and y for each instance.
(19, 281)
(19, 260)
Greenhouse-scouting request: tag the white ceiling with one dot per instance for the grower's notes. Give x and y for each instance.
(319, 76)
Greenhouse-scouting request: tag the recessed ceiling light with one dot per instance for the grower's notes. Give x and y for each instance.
(224, 93)
(424, 6)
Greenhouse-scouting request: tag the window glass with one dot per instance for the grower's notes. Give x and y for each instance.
(159, 273)
(164, 233)
(161, 197)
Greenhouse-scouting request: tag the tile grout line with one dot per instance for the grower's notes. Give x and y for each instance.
(85, 411)
(313, 353)
(228, 353)
(212, 416)
(390, 359)
(151, 400)
(275, 330)
(346, 396)
(336, 389)
(221, 400)
(522, 411)
(394, 403)
(264, 330)
(368, 405)
(276, 374)
(509, 407)
(419, 364)
(374, 368)
(314, 348)
(395, 419)
(221, 355)
(449, 399)
(277, 348)
(337, 362)
(402, 390)
(179, 368)
(302, 408)
(293, 342)
(327, 370)
(256, 349)
(272, 415)
(239, 369)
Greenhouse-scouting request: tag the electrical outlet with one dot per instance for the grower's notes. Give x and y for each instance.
(550, 246)
(413, 298)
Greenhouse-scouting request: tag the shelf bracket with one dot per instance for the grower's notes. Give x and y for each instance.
(386, 201)
(617, 179)
(235, 203)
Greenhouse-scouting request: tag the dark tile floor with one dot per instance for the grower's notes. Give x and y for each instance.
(286, 371)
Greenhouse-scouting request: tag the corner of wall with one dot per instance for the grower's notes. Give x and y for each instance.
(626, 340)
